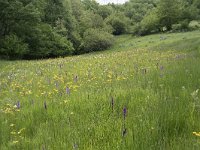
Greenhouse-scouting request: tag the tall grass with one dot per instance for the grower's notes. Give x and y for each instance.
(131, 99)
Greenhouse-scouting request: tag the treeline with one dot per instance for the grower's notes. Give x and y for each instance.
(32, 29)
(152, 16)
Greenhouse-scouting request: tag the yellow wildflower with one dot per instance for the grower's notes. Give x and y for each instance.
(196, 133)
(15, 142)
(11, 125)
(13, 132)
(65, 101)
(55, 90)
(8, 105)
(20, 131)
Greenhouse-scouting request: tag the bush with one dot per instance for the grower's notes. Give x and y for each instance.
(119, 23)
(184, 25)
(119, 26)
(181, 26)
(149, 24)
(61, 46)
(194, 25)
(96, 40)
(104, 11)
(12, 47)
(44, 43)
(176, 27)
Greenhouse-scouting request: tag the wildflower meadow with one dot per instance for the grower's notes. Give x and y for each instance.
(141, 94)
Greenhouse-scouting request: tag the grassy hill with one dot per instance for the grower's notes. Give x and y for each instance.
(143, 93)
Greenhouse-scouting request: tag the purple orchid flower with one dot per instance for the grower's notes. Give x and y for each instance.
(18, 105)
(112, 103)
(68, 90)
(125, 112)
(45, 105)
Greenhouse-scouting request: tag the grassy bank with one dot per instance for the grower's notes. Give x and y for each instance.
(141, 94)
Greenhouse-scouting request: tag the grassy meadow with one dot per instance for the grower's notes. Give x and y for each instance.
(142, 94)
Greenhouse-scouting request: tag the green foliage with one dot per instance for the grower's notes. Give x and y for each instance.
(149, 24)
(104, 11)
(41, 39)
(90, 20)
(54, 10)
(13, 47)
(56, 28)
(184, 24)
(90, 5)
(60, 27)
(96, 40)
(119, 23)
(164, 14)
(176, 27)
(77, 9)
(97, 21)
(196, 5)
(26, 18)
(194, 25)
(181, 26)
(169, 12)
(137, 9)
(47, 43)
(60, 46)
(158, 89)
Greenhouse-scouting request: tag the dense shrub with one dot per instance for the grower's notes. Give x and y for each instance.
(13, 47)
(193, 25)
(44, 42)
(184, 24)
(104, 11)
(119, 23)
(96, 40)
(176, 27)
(149, 24)
(181, 26)
(119, 26)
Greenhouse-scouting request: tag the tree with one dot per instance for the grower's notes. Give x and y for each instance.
(26, 18)
(25, 35)
(104, 11)
(96, 40)
(13, 47)
(77, 9)
(149, 24)
(59, 11)
(14, 28)
(54, 10)
(137, 9)
(45, 43)
(169, 12)
(118, 22)
(90, 5)
(195, 8)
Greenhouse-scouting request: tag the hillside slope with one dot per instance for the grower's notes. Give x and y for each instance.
(141, 94)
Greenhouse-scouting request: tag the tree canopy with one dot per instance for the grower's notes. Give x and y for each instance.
(48, 28)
